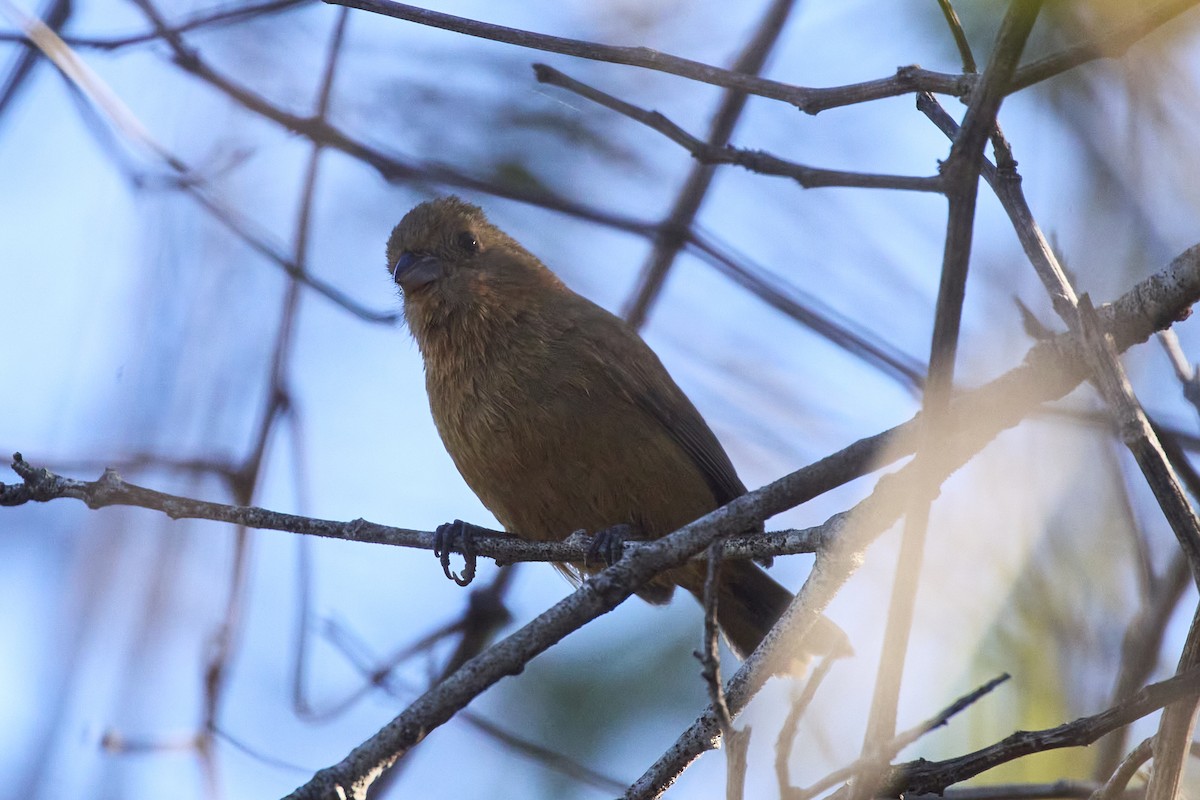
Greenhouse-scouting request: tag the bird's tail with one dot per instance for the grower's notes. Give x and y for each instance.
(750, 602)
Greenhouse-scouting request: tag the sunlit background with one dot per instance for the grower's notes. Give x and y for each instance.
(140, 332)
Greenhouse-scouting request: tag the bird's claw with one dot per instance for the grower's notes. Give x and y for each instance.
(609, 544)
(460, 536)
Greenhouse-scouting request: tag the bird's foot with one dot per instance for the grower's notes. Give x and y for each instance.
(460, 536)
(609, 544)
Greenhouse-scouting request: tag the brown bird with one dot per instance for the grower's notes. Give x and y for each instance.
(558, 415)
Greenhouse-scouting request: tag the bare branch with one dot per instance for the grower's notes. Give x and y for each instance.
(810, 100)
(871, 764)
(960, 36)
(935, 776)
(961, 170)
(753, 160)
(1110, 44)
(672, 233)
(1116, 784)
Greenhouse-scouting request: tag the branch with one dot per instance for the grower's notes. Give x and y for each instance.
(809, 100)
(597, 595)
(1052, 368)
(871, 763)
(695, 188)
(961, 171)
(923, 776)
(753, 160)
(41, 485)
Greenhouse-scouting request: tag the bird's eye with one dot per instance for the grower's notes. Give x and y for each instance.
(468, 242)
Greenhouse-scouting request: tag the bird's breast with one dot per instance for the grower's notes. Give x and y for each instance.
(550, 447)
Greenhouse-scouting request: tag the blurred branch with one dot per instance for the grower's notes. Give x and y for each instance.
(203, 19)
(808, 311)
(923, 776)
(869, 765)
(674, 228)
(961, 172)
(1115, 786)
(791, 725)
(54, 19)
(1109, 44)
(753, 160)
(122, 118)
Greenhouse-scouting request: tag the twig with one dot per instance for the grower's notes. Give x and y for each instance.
(55, 18)
(785, 744)
(1119, 780)
(41, 485)
(1007, 186)
(870, 764)
(806, 99)
(709, 655)
(753, 160)
(960, 36)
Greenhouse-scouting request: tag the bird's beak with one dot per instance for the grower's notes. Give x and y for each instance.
(416, 270)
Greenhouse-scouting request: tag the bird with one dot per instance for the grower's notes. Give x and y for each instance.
(560, 417)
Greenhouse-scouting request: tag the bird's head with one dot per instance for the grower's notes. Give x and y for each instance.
(448, 259)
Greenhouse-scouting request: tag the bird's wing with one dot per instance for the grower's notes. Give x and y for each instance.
(667, 404)
(642, 378)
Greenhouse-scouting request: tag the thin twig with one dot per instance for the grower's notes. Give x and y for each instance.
(869, 765)
(1115, 786)
(753, 160)
(786, 742)
(960, 36)
(709, 654)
